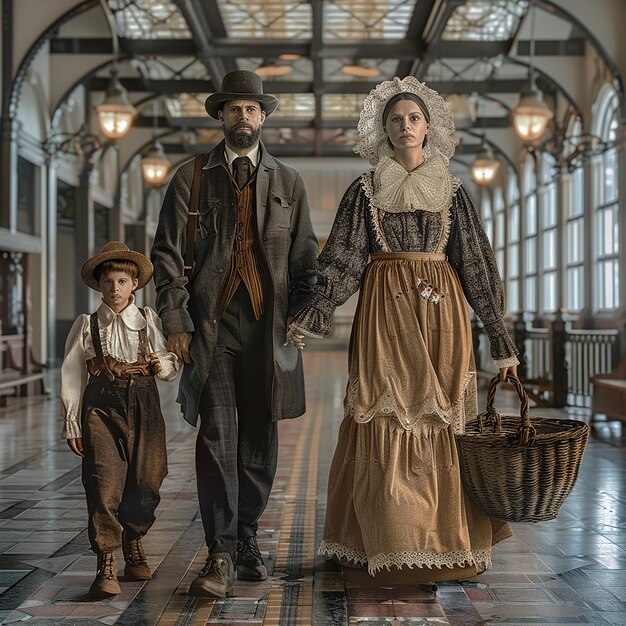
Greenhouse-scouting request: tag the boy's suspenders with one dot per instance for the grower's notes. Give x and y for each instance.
(97, 344)
(192, 215)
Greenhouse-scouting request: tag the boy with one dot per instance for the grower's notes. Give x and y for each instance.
(112, 412)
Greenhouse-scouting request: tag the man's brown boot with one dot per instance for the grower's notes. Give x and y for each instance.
(250, 564)
(136, 567)
(105, 583)
(216, 578)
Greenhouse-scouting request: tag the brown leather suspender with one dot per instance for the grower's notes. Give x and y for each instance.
(97, 346)
(192, 219)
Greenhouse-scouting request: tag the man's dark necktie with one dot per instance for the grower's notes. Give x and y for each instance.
(241, 171)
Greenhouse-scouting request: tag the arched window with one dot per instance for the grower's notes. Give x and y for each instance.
(530, 232)
(513, 245)
(605, 202)
(573, 190)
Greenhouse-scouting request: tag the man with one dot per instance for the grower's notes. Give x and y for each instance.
(253, 261)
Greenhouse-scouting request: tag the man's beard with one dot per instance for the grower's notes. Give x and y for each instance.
(242, 140)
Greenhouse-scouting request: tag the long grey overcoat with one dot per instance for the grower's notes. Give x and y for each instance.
(288, 244)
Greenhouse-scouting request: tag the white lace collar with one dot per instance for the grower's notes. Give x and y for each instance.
(427, 188)
(131, 316)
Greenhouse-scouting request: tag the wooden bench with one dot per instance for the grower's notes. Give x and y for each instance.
(609, 392)
(15, 378)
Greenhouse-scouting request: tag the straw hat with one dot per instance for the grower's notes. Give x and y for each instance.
(240, 85)
(117, 251)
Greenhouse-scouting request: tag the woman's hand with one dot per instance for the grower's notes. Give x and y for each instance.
(512, 369)
(76, 446)
(292, 336)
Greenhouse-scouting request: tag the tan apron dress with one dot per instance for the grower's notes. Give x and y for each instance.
(395, 497)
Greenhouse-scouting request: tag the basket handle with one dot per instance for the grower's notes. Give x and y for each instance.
(526, 434)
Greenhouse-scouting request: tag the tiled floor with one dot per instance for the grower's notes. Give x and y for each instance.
(571, 570)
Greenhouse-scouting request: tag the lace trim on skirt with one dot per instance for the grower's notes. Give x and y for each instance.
(460, 558)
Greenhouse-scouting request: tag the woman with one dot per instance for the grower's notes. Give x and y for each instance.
(395, 498)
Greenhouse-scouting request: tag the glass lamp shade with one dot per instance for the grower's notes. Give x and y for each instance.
(116, 113)
(484, 169)
(531, 116)
(114, 122)
(155, 166)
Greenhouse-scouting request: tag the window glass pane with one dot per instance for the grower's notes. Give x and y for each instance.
(530, 300)
(529, 184)
(549, 291)
(607, 231)
(513, 260)
(280, 19)
(574, 299)
(576, 206)
(610, 176)
(549, 211)
(500, 260)
(530, 255)
(144, 19)
(608, 281)
(484, 20)
(548, 167)
(575, 250)
(356, 19)
(531, 215)
(513, 190)
(514, 223)
(513, 296)
(499, 230)
(549, 249)
(498, 199)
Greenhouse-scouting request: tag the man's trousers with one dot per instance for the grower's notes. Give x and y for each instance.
(237, 444)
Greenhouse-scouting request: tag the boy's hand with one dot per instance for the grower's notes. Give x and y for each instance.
(76, 446)
(155, 363)
(178, 343)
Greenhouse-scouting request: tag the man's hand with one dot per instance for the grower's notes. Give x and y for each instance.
(508, 370)
(292, 336)
(76, 446)
(178, 343)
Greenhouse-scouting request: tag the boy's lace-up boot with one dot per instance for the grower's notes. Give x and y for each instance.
(136, 567)
(105, 583)
(250, 564)
(216, 578)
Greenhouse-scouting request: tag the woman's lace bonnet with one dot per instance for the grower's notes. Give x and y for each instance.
(372, 144)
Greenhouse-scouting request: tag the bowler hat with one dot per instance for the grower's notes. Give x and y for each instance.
(117, 251)
(240, 85)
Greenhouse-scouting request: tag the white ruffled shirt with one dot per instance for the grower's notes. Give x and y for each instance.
(119, 336)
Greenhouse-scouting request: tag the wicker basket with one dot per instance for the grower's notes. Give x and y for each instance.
(520, 469)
